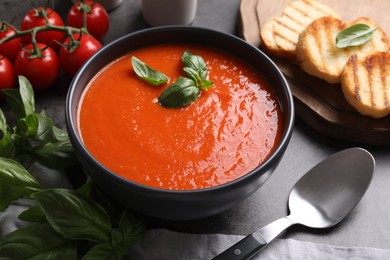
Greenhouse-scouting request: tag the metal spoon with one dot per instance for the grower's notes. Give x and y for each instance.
(320, 199)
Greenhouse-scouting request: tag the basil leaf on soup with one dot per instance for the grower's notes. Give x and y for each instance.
(205, 84)
(196, 63)
(147, 73)
(181, 93)
(355, 35)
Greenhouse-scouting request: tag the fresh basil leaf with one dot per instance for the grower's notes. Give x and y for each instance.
(55, 155)
(147, 73)
(205, 84)
(21, 101)
(196, 63)
(104, 251)
(27, 95)
(131, 227)
(38, 241)
(3, 122)
(15, 103)
(60, 134)
(181, 93)
(28, 125)
(355, 35)
(15, 182)
(7, 146)
(86, 188)
(43, 127)
(74, 215)
(33, 214)
(193, 74)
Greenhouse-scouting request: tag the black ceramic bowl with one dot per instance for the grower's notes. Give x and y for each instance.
(170, 204)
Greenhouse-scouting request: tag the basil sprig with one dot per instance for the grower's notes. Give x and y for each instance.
(185, 91)
(147, 73)
(355, 35)
(64, 223)
(181, 93)
(34, 134)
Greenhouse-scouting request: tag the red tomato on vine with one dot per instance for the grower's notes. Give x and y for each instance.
(12, 47)
(41, 69)
(98, 21)
(7, 74)
(74, 53)
(35, 18)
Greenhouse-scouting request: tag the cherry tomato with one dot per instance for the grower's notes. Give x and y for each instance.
(41, 71)
(10, 48)
(7, 74)
(72, 58)
(35, 18)
(98, 21)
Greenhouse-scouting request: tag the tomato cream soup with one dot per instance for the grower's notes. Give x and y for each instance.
(230, 130)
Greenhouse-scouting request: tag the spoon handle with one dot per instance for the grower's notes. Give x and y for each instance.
(249, 246)
(243, 249)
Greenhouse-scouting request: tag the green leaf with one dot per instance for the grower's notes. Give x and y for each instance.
(28, 125)
(193, 74)
(14, 101)
(181, 93)
(27, 95)
(7, 146)
(86, 188)
(131, 227)
(205, 84)
(131, 230)
(33, 214)
(44, 130)
(21, 101)
(60, 134)
(55, 155)
(355, 35)
(15, 182)
(74, 215)
(196, 63)
(37, 242)
(147, 73)
(103, 251)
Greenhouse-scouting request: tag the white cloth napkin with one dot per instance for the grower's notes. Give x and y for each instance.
(162, 244)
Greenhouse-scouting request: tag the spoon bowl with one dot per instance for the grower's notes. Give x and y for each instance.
(320, 199)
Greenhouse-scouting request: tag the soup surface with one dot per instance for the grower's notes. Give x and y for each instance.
(230, 130)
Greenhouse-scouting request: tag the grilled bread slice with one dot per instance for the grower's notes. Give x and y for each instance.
(318, 55)
(279, 36)
(365, 83)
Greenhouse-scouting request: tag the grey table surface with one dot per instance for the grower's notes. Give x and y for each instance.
(368, 225)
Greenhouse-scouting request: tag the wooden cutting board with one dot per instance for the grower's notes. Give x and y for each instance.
(320, 104)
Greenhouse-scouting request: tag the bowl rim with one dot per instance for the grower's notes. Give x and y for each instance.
(288, 111)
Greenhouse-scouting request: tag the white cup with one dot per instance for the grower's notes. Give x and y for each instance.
(169, 12)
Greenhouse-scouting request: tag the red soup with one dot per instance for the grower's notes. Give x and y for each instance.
(230, 130)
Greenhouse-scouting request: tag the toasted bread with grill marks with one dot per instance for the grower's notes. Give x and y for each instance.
(365, 83)
(279, 36)
(318, 55)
